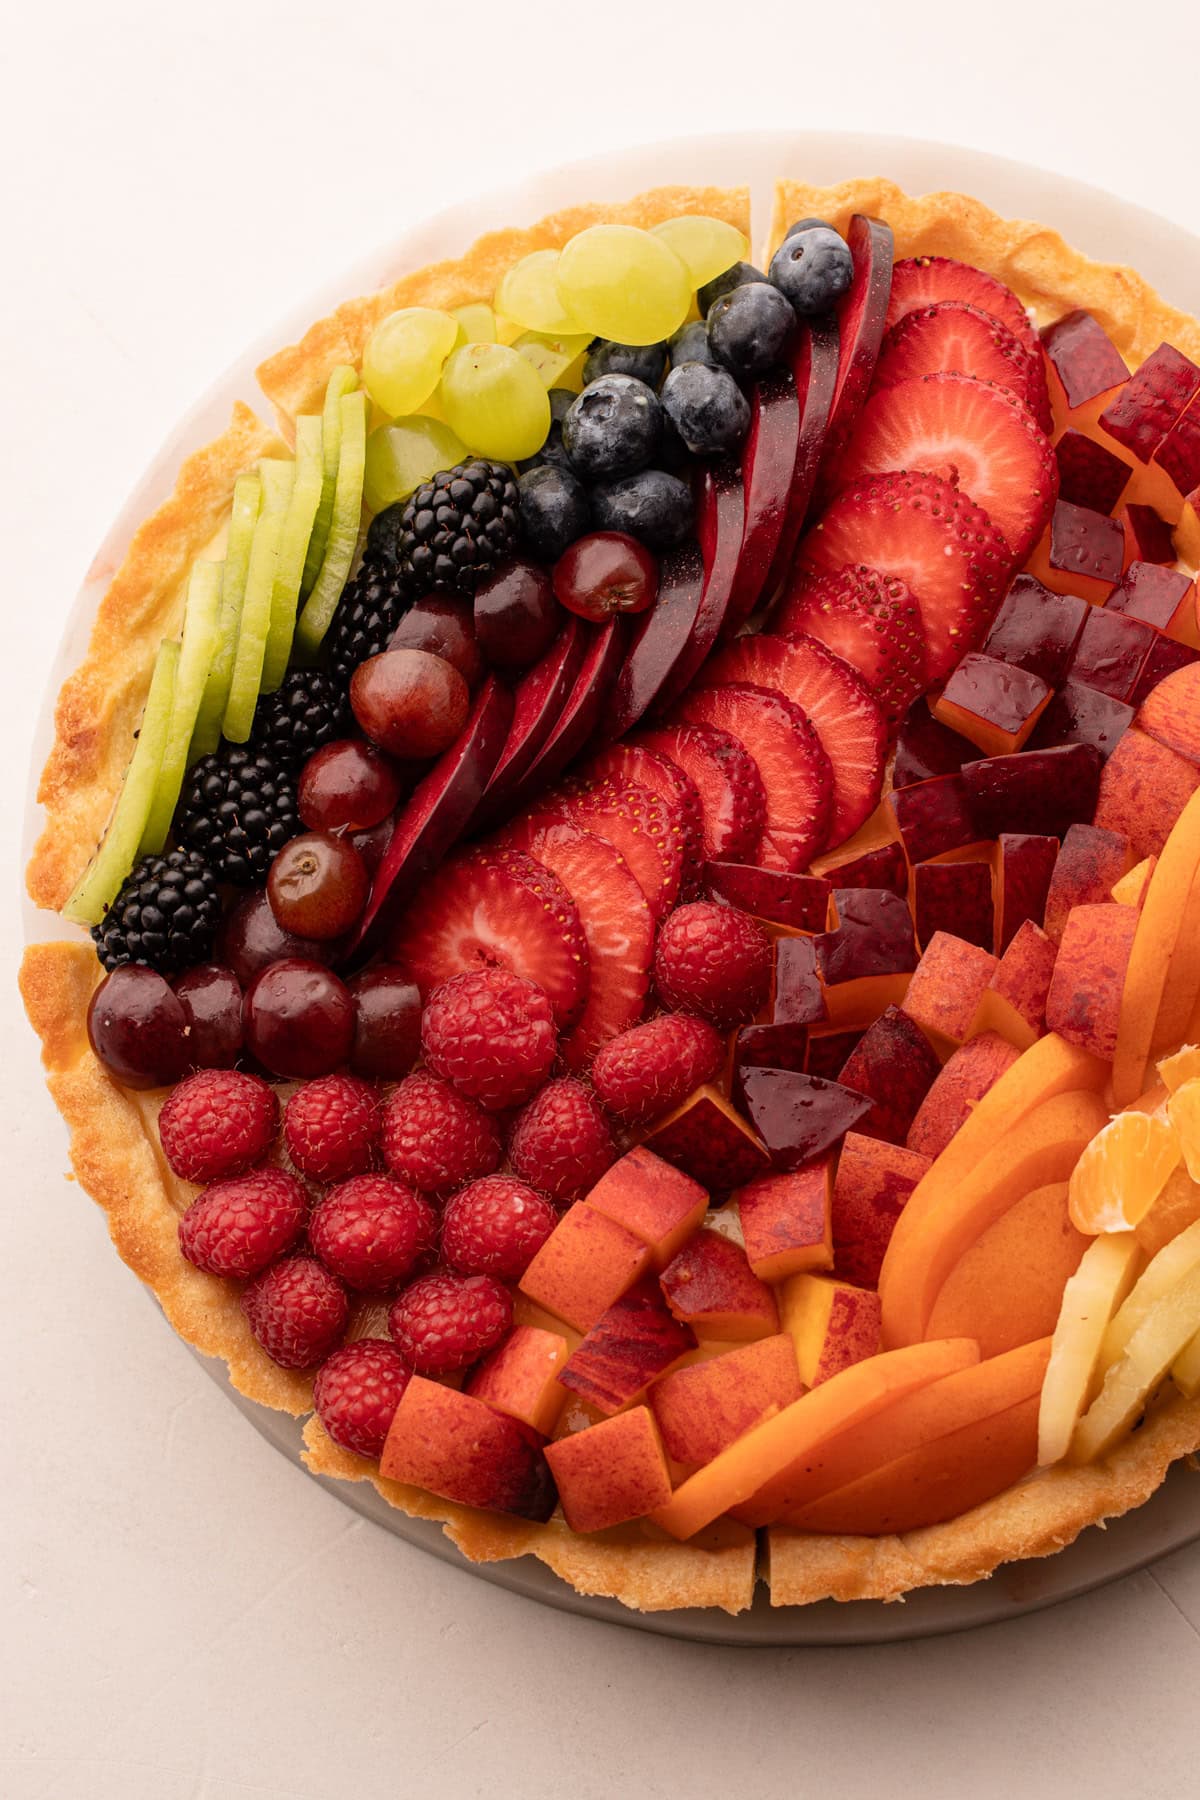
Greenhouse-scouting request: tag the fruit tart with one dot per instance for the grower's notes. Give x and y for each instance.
(636, 856)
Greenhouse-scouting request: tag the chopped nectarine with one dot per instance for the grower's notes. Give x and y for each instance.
(611, 1472)
(1085, 869)
(636, 1340)
(1014, 1001)
(894, 1065)
(1084, 1000)
(874, 1179)
(462, 1449)
(585, 1264)
(1008, 1287)
(1131, 889)
(833, 1324)
(1144, 788)
(709, 1140)
(1106, 1273)
(703, 1408)
(1171, 713)
(521, 1377)
(655, 1201)
(711, 1286)
(946, 989)
(786, 1223)
(973, 1069)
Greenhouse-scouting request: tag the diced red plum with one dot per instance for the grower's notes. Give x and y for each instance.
(954, 897)
(1041, 791)
(829, 1051)
(1036, 630)
(800, 1117)
(1160, 596)
(1079, 714)
(797, 997)
(884, 867)
(627, 1348)
(1088, 474)
(776, 895)
(873, 936)
(710, 1141)
(768, 464)
(894, 1065)
(1083, 357)
(1147, 406)
(993, 704)
(925, 748)
(1165, 657)
(1086, 544)
(1110, 653)
(1179, 453)
(1148, 537)
(933, 817)
(1024, 866)
(768, 1047)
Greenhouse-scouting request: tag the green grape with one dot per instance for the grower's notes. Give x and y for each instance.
(706, 247)
(402, 363)
(624, 283)
(495, 401)
(558, 360)
(528, 295)
(402, 455)
(200, 615)
(476, 324)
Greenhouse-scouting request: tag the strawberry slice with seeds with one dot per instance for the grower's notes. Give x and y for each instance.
(726, 777)
(796, 776)
(936, 540)
(871, 621)
(629, 762)
(973, 435)
(921, 281)
(953, 338)
(847, 720)
(496, 909)
(639, 824)
(617, 924)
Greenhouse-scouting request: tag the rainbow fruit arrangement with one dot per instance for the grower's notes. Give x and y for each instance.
(691, 779)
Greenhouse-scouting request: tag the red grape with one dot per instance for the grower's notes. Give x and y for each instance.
(410, 702)
(348, 786)
(212, 1000)
(606, 573)
(445, 627)
(318, 885)
(138, 1027)
(299, 1020)
(372, 844)
(251, 939)
(516, 617)
(387, 1029)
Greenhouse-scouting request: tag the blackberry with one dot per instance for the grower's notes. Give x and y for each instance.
(458, 527)
(238, 810)
(309, 709)
(165, 915)
(371, 607)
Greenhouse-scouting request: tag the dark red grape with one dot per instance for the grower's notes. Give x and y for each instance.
(605, 573)
(387, 1029)
(212, 1000)
(251, 939)
(445, 627)
(372, 844)
(299, 1020)
(410, 702)
(318, 885)
(348, 786)
(138, 1027)
(516, 617)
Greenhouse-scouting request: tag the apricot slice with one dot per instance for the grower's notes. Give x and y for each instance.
(1008, 1287)
(763, 1461)
(1129, 1382)
(1105, 1275)
(1122, 1172)
(1181, 989)
(945, 1216)
(1154, 940)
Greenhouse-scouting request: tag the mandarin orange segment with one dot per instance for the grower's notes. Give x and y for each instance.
(1183, 1111)
(1177, 1207)
(1122, 1172)
(1182, 1065)
(1155, 938)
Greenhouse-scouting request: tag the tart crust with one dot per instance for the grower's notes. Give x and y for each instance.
(114, 1144)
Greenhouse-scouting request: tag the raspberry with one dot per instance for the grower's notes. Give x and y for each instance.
(371, 1230)
(216, 1123)
(491, 1035)
(652, 1068)
(561, 1140)
(237, 1227)
(331, 1127)
(715, 961)
(435, 1139)
(495, 1227)
(445, 1322)
(297, 1310)
(357, 1392)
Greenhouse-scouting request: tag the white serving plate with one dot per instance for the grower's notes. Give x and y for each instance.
(1097, 223)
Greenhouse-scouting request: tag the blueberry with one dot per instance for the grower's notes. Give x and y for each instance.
(735, 276)
(747, 329)
(805, 225)
(613, 428)
(812, 268)
(690, 344)
(561, 401)
(707, 408)
(648, 362)
(654, 507)
(554, 510)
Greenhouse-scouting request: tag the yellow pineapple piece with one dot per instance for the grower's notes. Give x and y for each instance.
(1105, 1275)
(1131, 1380)
(1161, 1274)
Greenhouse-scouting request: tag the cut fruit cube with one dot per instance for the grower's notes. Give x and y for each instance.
(319, 608)
(1143, 790)
(1036, 630)
(254, 623)
(925, 749)
(1007, 1289)
(796, 995)
(701, 1409)
(829, 1051)
(710, 1141)
(710, 1286)
(954, 897)
(778, 897)
(1090, 861)
(934, 817)
(1111, 653)
(1024, 868)
(1171, 713)
(1165, 658)
(631, 1344)
(1079, 714)
(1142, 413)
(243, 518)
(459, 1448)
(1084, 1002)
(1089, 474)
(894, 1065)
(294, 540)
(1082, 552)
(785, 1222)
(1160, 596)
(874, 1180)
(585, 1265)
(104, 876)
(1105, 1275)
(832, 1324)
(342, 381)
(611, 1472)
(799, 1117)
(969, 1073)
(1130, 1382)
(767, 1047)
(1178, 455)
(1084, 361)
(656, 1202)
(947, 987)
(993, 704)
(200, 624)
(1014, 1001)
(872, 935)
(1040, 791)
(1148, 536)
(1121, 1173)
(520, 1378)
(873, 857)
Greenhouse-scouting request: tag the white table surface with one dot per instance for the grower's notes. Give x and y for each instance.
(185, 1616)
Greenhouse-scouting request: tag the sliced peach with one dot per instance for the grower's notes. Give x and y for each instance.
(585, 1264)
(611, 1472)
(832, 1323)
(762, 1462)
(946, 989)
(874, 1180)
(1170, 713)
(1008, 1287)
(1014, 1001)
(786, 1221)
(655, 1201)
(711, 1286)
(1107, 1270)
(974, 1068)
(1085, 869)
(702, 1408)
(1154, 941)
(1131, 889)
(1144, 787)
(520, 1378)
(1084, 1001)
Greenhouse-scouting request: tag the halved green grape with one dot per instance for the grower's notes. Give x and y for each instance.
(117, 854)
(528, 294)
(402, 363)
(200, 615)
(624, 283)
(321, 604)
(558, 360)
(706, 247)
(341, 382)
(402, 455)
(494, 399)
(293, 547)
(476, 324)
(247, 503)
(245, 684)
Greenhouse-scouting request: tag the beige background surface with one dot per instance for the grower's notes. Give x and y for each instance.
(185, 1617)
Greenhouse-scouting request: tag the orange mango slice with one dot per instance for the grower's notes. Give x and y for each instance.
(1159, 923)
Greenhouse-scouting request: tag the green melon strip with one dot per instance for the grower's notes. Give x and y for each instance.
(246, 680)
(200, 618)
(247, 503)
(293, 546)
(342, 381)
(344, 526)
(114, 859)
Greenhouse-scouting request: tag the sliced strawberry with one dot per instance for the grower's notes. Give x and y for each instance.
(617, 924)
(635, 762)
(849, 723)
(922, 281)
(870, 620)
(645, 829)
(796, 775)
(971, 433)
(953, 338)
(943, 546)
(726, 777)
(496, 909)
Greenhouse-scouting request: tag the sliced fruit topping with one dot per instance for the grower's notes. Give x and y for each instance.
(663, 776)
(644, 828)
(942, 545)
(243, 517)
(662, 640)
(200, 627)
(294, 537)
(497, 909)
(971, 433)
(344, 524)
(795, 770)
(254, 624)
(922, 281)
(726, 777)
(953, 338)
(814, 363)
(719, 527)
(342, 381)
(582, 708)
(861, 320)
(871, 621)
(847, 720)
(768, 464)
(538, 701)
